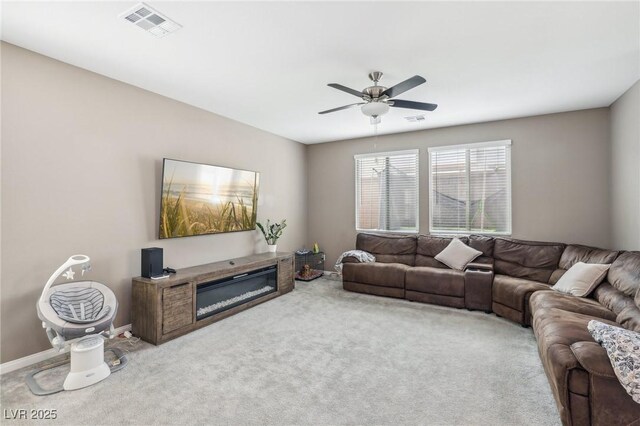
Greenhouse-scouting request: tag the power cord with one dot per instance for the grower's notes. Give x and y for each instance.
(128, 336)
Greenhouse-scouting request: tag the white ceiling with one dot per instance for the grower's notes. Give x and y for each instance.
(267, 64)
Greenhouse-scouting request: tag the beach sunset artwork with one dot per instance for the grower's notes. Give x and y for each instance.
(199, 199)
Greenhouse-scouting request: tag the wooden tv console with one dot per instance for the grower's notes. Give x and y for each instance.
(165, 309)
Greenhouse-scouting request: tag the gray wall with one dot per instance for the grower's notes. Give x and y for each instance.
(625, 170)
(81, 165)
(560, 177)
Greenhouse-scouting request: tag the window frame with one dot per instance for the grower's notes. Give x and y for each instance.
(357, 157)
(467, 147)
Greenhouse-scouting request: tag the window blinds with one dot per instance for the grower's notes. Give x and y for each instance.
(387, 191)
(470, 188)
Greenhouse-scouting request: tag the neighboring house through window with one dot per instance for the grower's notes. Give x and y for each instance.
(387, 191)
(470, 188)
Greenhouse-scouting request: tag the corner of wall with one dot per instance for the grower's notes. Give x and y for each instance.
(624, 171)
(307, 223)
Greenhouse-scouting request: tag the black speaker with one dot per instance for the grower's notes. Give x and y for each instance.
(152, 262)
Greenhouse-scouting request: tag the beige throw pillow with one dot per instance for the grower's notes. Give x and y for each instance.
(581, 279)
(457, 255)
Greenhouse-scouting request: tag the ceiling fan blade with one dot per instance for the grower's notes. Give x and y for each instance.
(400, 88)
(398, 103)
(346, 89)
(341, 108)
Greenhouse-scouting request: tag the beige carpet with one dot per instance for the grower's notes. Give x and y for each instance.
(320, 355)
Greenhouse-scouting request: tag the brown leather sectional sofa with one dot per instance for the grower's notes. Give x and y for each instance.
(513, 278)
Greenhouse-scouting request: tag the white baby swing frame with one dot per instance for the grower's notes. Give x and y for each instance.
(70, 318)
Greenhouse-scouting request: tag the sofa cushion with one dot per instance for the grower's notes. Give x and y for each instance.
(612, 298)
(389, 248)
(483, 243)
(628, 313)
(582, 278)
(575, 253)
(428, 247)
(629, 318)
(554, 326)
(380, 274)
(447, 282)
(547, 299)
(624, 273)
(560, 327)
(526, 259)
(515, 292)
(457, 255)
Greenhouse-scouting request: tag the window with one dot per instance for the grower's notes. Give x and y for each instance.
(387, 191)
(470, 188)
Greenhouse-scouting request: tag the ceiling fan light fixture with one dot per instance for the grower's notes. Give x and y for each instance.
(375, 109)
(377, 99)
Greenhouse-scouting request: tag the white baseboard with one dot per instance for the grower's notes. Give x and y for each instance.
(28, 360)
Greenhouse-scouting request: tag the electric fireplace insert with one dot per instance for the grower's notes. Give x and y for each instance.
(218, 296)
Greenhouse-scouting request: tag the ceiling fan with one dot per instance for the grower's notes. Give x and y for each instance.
(377, 99)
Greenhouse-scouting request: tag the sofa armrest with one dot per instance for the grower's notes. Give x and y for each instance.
(350, 259)
(479, 266)
(609, 402)
(594, 359)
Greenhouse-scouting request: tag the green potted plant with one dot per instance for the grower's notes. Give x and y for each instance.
(271, 232)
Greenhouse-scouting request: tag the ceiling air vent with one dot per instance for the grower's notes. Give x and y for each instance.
(415, 118)
(150, 20)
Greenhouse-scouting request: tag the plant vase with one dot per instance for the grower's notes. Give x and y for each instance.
(271, 232)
